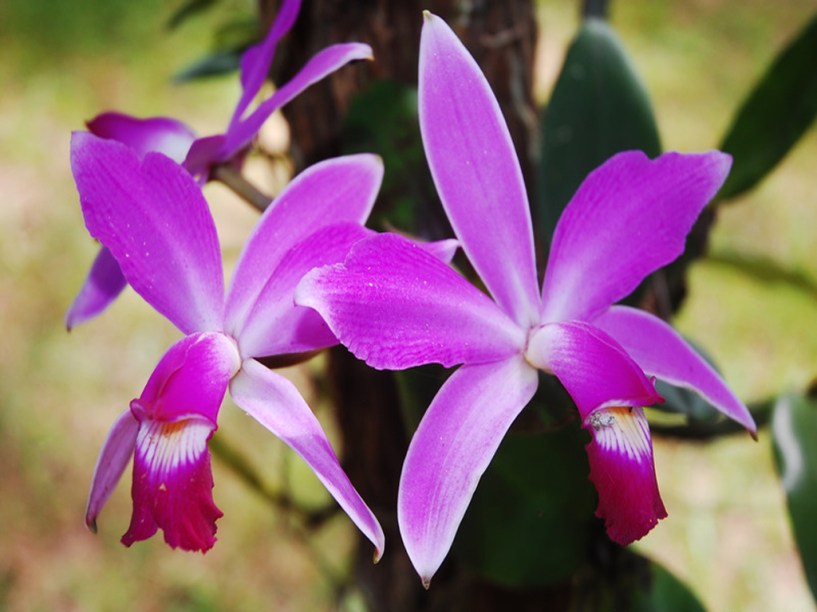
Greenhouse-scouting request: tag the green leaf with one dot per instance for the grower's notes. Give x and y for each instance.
(775, 115)
(629, 582)
(531, 520)
(213, 64)
(597, 109)
(794, 436)
(230, 40)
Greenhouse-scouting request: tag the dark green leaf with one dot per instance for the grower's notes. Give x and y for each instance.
(213, 64)
(629, 582)
(230, 40)
(794, 434)
(775, 115)
(531, 520)
(597, 109)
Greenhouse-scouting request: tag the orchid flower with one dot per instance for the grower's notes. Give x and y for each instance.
(176, 140)
(395, 307)
(151, 216)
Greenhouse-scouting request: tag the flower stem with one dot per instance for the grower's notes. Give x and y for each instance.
(234, 180)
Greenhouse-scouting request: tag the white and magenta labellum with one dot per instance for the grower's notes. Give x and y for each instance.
(177, 411)
(623, 471)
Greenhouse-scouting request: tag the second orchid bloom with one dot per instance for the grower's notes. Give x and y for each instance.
(395, 307)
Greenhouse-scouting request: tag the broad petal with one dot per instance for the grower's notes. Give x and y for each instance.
(629, 217)
(274, 402)
(663, 353)
(257, 60)
(322, 64)
(339, 190)
(623, 471)
(275, 325)
(476, 171)
(190, 380)
(113, 459)
(396, 306)
(153, 218)
(593, 367)
(156, 134)
(103, 284)
(173, 485)
(451, 449)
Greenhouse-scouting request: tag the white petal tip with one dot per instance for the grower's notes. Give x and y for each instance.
(426, 581)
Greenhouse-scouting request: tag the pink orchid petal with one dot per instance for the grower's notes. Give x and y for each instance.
(156, 134)
(339, 190)
(451, 449)
(103, 284)
(203, 153)
(275, 325)
(173, 485)
(322, 64)
(113, 459)
(663, 353)
(190, 380)
(629, 217)
(257, 60)
(623, 470)
(274, 402)
(396, 306)
(591, 365)
(476, 171)
(153, 218)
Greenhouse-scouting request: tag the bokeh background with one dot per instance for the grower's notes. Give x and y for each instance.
(63, 61)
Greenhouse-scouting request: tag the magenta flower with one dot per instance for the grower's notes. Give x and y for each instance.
(176, 140)
(151, 215)
(395, 307)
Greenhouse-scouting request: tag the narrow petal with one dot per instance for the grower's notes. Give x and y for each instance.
(203, 153)
(190, 380)
(274, 402)
(629, 217)
(324, 63)
(112, 461)
(153, 218)
(444, 250)
(593, 367)
(173, 485)
(339, 190)
(275, 325)
(156, 134)
(451, 449)
(396, 306)
(103, 284)
(257, 60)
(476, 171)
(623, 470)
(663, 353)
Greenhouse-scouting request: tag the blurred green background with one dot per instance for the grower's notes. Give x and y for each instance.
(64, 61)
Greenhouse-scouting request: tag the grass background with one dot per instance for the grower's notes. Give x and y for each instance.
(64, 61)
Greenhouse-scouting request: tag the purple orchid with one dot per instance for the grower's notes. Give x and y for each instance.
(151, 216)
(395, 307)
(176, 140)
